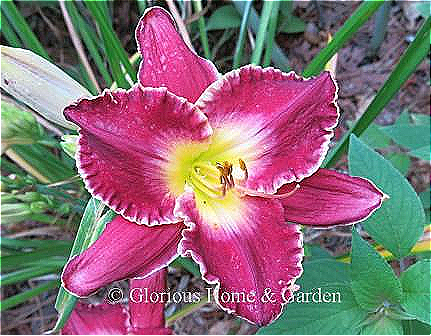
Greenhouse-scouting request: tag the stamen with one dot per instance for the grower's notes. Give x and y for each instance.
(243, 168)
(249, 192)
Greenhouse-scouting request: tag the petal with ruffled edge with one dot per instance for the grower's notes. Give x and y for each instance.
(125, 148)
(102, 319)
(167, 60)
(147, 316)
(278, 124)
(247, 249)
(124, 250)
(328, 198)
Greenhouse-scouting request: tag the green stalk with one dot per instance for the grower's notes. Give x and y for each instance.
(142, 6)
(22, 28)
(382, 18)
(261, 33)
(349, 28)
(237, 57)
(272, 28)
(8, 33)
(24, 296)
(86, 34)
(411, 58)
(278, 57)
(115, 52)
(26, 274)
(197, 4)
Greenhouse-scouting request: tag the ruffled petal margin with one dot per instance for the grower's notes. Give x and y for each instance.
(328, 198)
(126, 140)
(252, 254)
(167, 61)
(124, 250)
(279, 124)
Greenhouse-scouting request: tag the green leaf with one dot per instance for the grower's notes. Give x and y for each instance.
(262, 31)
(398, 224)
(401, 161)
(27, 273)
(415, 327)
(411, 58)
(374, 137)
(115, 52)
(342, 316)
(291, 25)
(278, 57)
(272, 32)
(197, 4)
(420, 119)
(237, 57)
(92, 225)
(289, 22)
(425, 198)
(421, 153)
(224, 17)
(409, 136)
(374, 283)
(30, 40)
(349, 28)
(15, 300)
(416, 288)
(383, 326)
(69, 143)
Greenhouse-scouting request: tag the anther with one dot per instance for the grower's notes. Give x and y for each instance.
(243, 168)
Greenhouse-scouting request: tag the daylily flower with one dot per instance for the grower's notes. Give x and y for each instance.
(234, 157)
(138, 317)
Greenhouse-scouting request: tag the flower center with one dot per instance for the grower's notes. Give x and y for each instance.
(215, 180)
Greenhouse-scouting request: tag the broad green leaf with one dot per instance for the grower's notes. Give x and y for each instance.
(425, 198)
(401, 161)
(415, 327)
(224, 17)
(292, 24)
(39, 84)
(374, 283)
(420, 119)
(416, 290)
(342, 316)
(375, 138)
(398, 224)
(409, 136)
(421, 153)
(383, 326)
